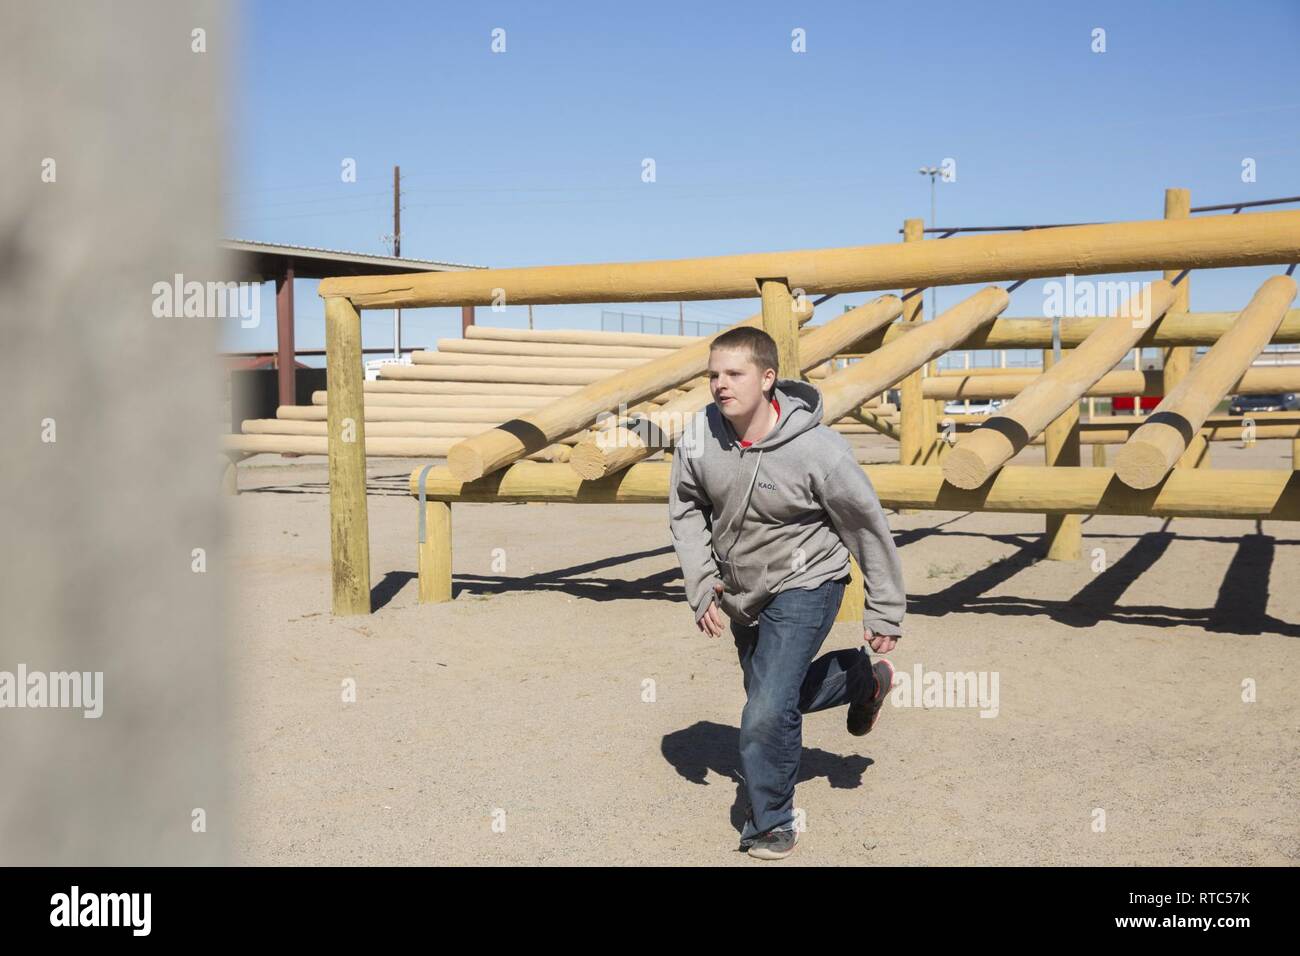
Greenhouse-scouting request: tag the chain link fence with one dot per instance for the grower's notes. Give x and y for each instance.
(656, 324)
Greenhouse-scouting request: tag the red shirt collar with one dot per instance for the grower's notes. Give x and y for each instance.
(777, 406)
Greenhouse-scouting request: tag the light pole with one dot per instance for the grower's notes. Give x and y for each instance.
(931, 171)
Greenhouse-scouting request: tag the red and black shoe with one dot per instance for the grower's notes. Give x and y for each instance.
(863, 713)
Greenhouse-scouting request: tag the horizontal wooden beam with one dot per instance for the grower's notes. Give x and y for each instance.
(376, 447)
(1272, 494)
(1206, 242)
(1176, 328)
(1258, 380)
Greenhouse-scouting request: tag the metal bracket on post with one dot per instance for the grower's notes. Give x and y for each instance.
(423, 472)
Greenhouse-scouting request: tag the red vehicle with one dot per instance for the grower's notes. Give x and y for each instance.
(1124, 403)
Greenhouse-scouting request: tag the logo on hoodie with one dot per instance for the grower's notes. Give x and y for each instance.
(766, 484)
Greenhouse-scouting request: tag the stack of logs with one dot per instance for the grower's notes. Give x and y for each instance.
(491, 376)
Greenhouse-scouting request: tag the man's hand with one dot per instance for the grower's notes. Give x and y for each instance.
(880, 643)
(711, 621)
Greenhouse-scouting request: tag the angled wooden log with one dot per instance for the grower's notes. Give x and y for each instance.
(1266, 238)
(983, 451)
(878, 423)
(498, 447)
(624, 446)
(848, 388)
(1155, 447)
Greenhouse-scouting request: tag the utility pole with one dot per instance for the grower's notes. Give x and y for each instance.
(931, 171)
(397, 254)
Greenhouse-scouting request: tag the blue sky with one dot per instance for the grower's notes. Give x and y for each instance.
(534, 155)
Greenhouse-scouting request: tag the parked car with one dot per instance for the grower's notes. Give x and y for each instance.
(983, 406)
(1276, 402)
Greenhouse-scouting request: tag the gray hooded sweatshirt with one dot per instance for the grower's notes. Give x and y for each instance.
(786, 512)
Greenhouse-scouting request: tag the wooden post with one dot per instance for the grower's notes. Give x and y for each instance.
(855, 596)
(349, 525)
(911, 417)
(933, 416)
(1177, 361)
(779, 322)
(1061, 450)
(434, 561)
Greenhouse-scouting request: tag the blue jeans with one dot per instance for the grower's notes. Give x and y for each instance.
(782, 683)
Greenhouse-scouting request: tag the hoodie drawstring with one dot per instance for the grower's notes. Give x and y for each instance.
(749, 494)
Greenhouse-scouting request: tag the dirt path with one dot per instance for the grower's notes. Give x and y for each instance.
(511, 725)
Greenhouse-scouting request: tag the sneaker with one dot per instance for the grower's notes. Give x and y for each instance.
(863, 713)
(774, 844)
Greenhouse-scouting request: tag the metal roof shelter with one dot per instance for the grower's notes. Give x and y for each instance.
(281, 264)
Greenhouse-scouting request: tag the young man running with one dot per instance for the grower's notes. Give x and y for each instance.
(766, 504)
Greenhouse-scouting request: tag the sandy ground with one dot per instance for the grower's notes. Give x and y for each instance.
(513, 725)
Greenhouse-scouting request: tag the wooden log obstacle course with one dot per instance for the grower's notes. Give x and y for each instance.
(555, 439)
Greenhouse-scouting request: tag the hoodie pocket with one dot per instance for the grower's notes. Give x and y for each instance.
(747, 587)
